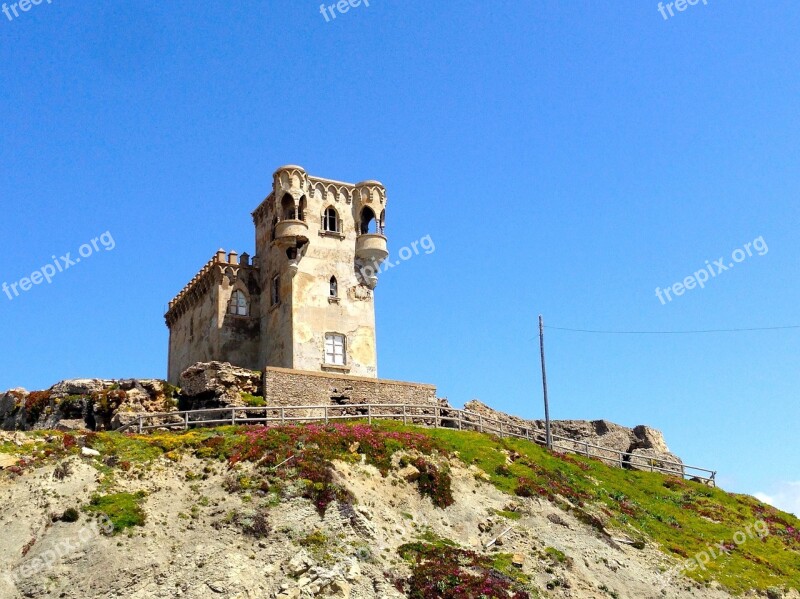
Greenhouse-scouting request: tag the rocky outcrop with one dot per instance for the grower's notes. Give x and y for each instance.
(645, 445)
(107, 404)
(85, 404)
(218, 384)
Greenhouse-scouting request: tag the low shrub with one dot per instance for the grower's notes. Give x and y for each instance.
(123, 509)
(70, 515)
(434, 482)
(253, 401)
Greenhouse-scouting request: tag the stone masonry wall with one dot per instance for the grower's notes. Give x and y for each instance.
(285, 387)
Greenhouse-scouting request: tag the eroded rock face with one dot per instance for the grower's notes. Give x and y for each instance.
(646, 444)
(108, 404)
(218, 384)
(85, 404)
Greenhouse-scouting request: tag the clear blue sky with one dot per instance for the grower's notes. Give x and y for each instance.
(567, 158)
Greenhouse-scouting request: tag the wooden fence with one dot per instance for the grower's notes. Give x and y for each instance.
(436, 416)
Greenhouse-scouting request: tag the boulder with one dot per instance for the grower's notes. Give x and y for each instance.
(218, 384)
(651, 438)
(68, 425)
(11, 416)
(6, 461)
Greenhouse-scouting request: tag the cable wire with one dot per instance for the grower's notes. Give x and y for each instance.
(600, 332)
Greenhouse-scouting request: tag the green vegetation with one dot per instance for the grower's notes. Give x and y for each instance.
(508, 514)
(556, 555)
(315, 539)
(70, 515)
(123, 509)
(682, 518)
(253, 401)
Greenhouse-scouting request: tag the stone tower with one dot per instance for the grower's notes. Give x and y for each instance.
(306, 300)
(318, 244)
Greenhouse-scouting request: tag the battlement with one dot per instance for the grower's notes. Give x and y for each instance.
(202, 282)
(294, 180)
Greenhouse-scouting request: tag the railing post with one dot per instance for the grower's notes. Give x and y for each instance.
(586, 443)
(186, 421)
(283, 416)
(369, 413)
(326, 414)
(459, 421)
(140, 424)
(405, 418)
(436, 417)
(233, 417)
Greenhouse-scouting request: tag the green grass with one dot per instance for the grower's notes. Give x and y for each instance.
(508, 514)
(123, 509)
(556, 555)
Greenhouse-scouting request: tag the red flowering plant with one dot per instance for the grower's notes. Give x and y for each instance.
(777, 526)
(445, 572)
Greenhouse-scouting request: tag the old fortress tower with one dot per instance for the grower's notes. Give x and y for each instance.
(305, 302)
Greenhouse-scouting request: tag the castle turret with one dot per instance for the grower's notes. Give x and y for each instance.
(321, 243)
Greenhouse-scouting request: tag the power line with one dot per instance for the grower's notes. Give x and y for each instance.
(672, 332)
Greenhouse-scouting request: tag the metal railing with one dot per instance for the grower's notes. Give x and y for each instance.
(436, 416)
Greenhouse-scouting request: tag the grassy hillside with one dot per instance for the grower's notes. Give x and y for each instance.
(733, 539)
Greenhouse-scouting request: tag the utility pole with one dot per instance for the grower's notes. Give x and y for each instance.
(544, 386)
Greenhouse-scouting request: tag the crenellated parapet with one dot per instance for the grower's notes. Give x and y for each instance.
(297, 183)
(212, 274)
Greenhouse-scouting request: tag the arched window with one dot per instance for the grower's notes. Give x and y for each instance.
(382, 223)
(238, 304)
(368, 223)
(330, 220)
(334, 292)
(301, 209)
(287, 207)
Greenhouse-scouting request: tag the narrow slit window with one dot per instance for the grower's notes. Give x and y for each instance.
(276, 290)
(334, 287)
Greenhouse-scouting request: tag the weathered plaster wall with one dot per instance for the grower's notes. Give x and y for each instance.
(294, 331)
(193, 337)
(201, 330)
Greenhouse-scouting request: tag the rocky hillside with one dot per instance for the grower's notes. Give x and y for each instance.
(102, 404)
(350, 510)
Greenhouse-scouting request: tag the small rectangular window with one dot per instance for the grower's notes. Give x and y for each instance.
(335, 349)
